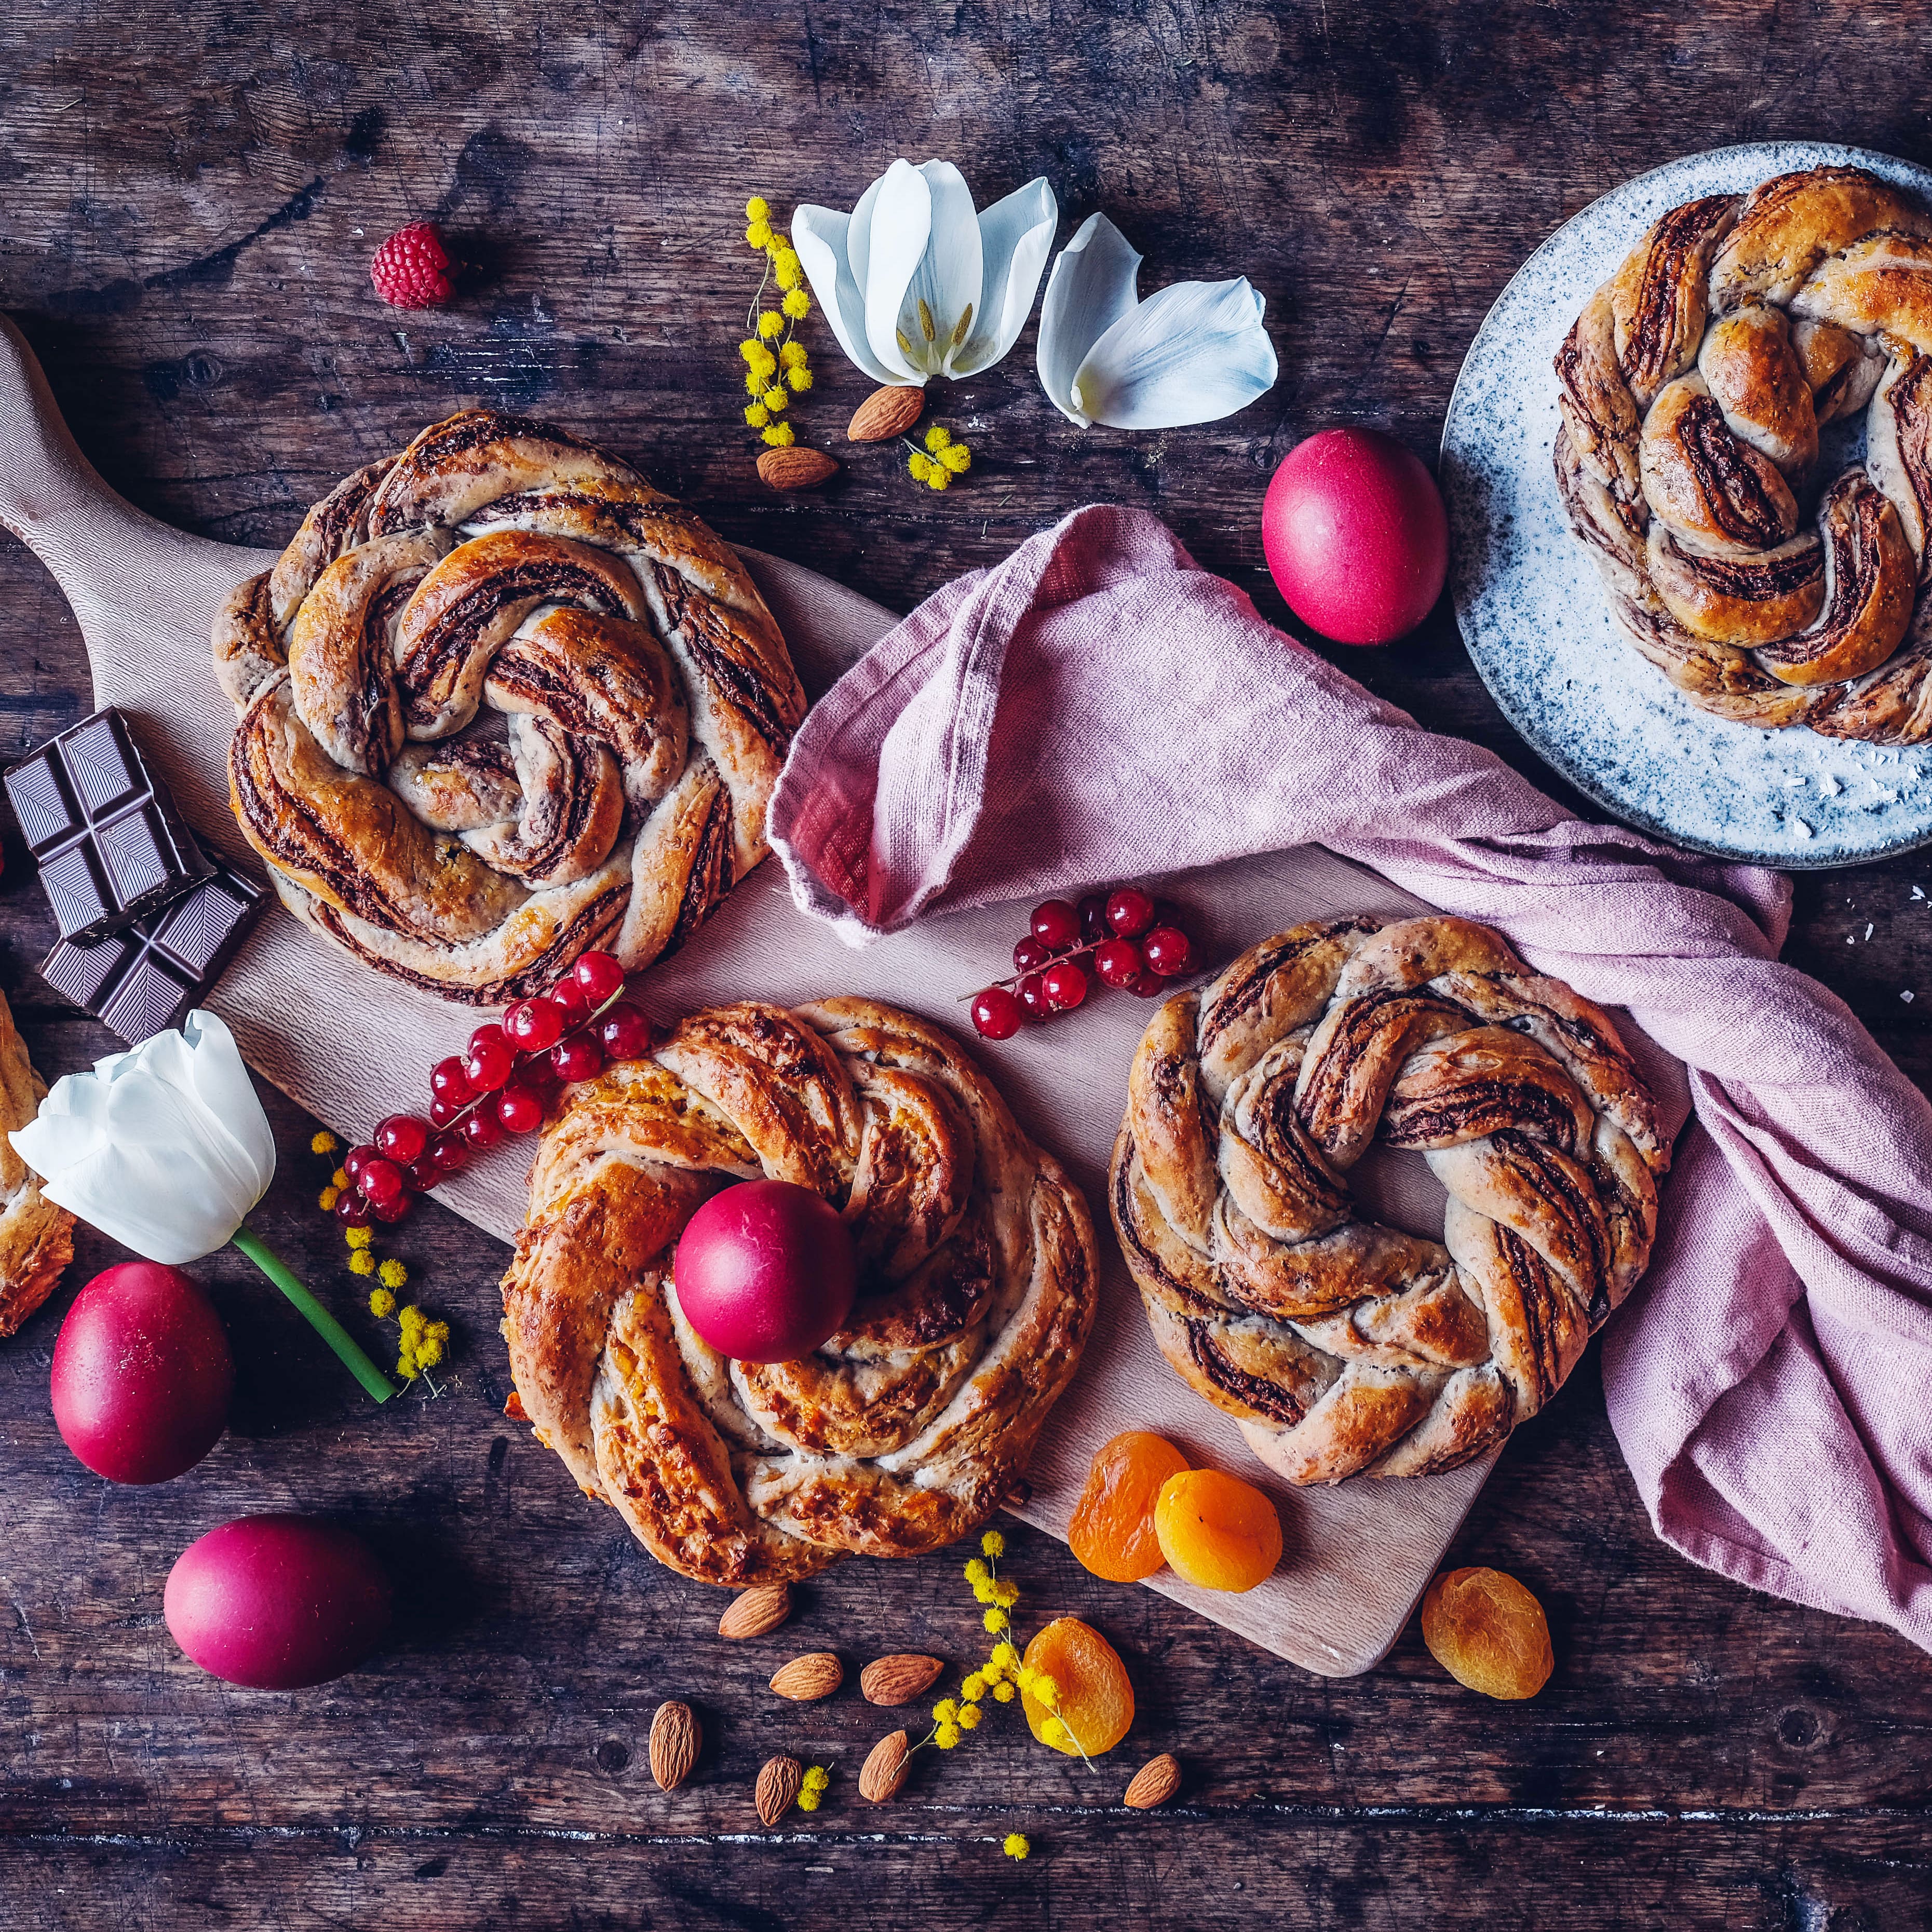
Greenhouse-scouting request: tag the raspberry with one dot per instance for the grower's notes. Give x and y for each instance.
(411, 270)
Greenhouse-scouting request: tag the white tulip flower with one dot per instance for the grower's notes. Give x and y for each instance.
(917, 283)
(1192, 352)
(166, 1150)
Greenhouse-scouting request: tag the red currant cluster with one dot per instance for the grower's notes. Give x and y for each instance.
(502, 1084)
(1125, 938)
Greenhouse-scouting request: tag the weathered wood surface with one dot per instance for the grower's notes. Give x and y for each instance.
(191, 196)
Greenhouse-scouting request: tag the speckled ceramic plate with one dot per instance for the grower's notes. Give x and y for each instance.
(1533, 612)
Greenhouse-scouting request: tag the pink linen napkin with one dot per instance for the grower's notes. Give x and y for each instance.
(1098, 707)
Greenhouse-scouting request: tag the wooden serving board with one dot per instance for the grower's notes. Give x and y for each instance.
(350, 1045)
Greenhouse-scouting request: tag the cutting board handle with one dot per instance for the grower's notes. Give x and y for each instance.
(98, 545)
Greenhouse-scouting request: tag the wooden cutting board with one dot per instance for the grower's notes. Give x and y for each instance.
(350, 1045)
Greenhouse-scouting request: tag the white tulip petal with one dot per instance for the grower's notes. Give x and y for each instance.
(164, 1149)
(1090, 291)
(1015, 235)
(937, 311)
(821, 236)
(901, 227)
(1191, 353)
(859, 236)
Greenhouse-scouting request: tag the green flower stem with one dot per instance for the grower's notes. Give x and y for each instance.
(325, 1324)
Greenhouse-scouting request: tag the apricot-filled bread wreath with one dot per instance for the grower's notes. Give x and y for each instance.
(1341, 1346)
(501, 702)
(977, 1286)
(1767, 586)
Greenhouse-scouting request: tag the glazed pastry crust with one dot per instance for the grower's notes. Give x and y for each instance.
(499, 566)
(1767, 593)
(979, 1278)
(36, 1237)
(1342, 1347)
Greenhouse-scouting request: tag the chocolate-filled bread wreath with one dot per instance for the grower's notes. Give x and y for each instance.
(500, 702)
(1693, 388)
(978, 1280)
(1342, 1347)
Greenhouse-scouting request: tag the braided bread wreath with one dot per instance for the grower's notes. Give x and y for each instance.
(978, 1283)
(646, 693)
(1341, 1346)
(1693, 388)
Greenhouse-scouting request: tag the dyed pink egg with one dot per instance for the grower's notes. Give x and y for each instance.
(1356, 536)
(277, 1602)
(764, 1271)
(141, 1374)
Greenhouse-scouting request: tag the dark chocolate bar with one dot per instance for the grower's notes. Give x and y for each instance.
(144, 980)
(111, 847)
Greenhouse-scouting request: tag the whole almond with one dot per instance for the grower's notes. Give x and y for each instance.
(675, 1735)
(779, 1783)
(1154, 1784)
(806, 1679)
(899, 1678)
(795, 467)
(752, 1612)
(884, 1770)
(887, 411)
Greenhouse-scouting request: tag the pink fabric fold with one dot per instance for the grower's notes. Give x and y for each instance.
(1098, 707)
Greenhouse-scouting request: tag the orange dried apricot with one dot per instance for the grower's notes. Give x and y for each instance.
(1112, 1529)
(1488, 1632)
(1216, 1531)
(1091, 1696)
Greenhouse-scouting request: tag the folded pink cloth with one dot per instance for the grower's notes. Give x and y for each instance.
(1098, 707)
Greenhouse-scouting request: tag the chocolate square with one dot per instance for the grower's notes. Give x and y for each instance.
(112, 848)
(146, 979)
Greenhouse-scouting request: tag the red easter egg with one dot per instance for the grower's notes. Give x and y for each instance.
(276, 1603)
(141, 1374)
(1356, 536)
(764, 1271)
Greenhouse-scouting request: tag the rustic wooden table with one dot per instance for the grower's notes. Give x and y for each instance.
(191, 196)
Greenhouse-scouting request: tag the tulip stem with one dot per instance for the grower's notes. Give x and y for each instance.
(325, 1324)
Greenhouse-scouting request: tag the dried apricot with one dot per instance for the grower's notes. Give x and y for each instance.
(1089, 1696)
(1216, 1531)
(1112, 1528)
(1488, 1632)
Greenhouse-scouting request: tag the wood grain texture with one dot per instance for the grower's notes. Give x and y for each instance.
(184, 189)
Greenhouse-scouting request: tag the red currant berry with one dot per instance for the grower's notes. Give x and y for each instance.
(1029, 955)
(568, 996)
(1167, 951)
(380, 1180)
(490, 1059)
(403, 1137)
(535, 1071)
(1166, 913)
(520, 1109)
(1118, 962)
(443, 1113)
(351, 1209)
(599, 975)
(1065, 986)
(449, 1081)
(1092, 911)
(1031, 993)
(1055, 924)
(1148, 985)
(1129, 911)
(422, 1176)
(356, 1159)
(480, 1130)
(579, 1057)
(394, 1210)
(534, 1025)
(447, 1153)
(624, 1033)
(997, 1015)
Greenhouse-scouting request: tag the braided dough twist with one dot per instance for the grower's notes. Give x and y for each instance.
(1692, 388)
(1341, 1346)
(502, 572)
(906, 1430)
